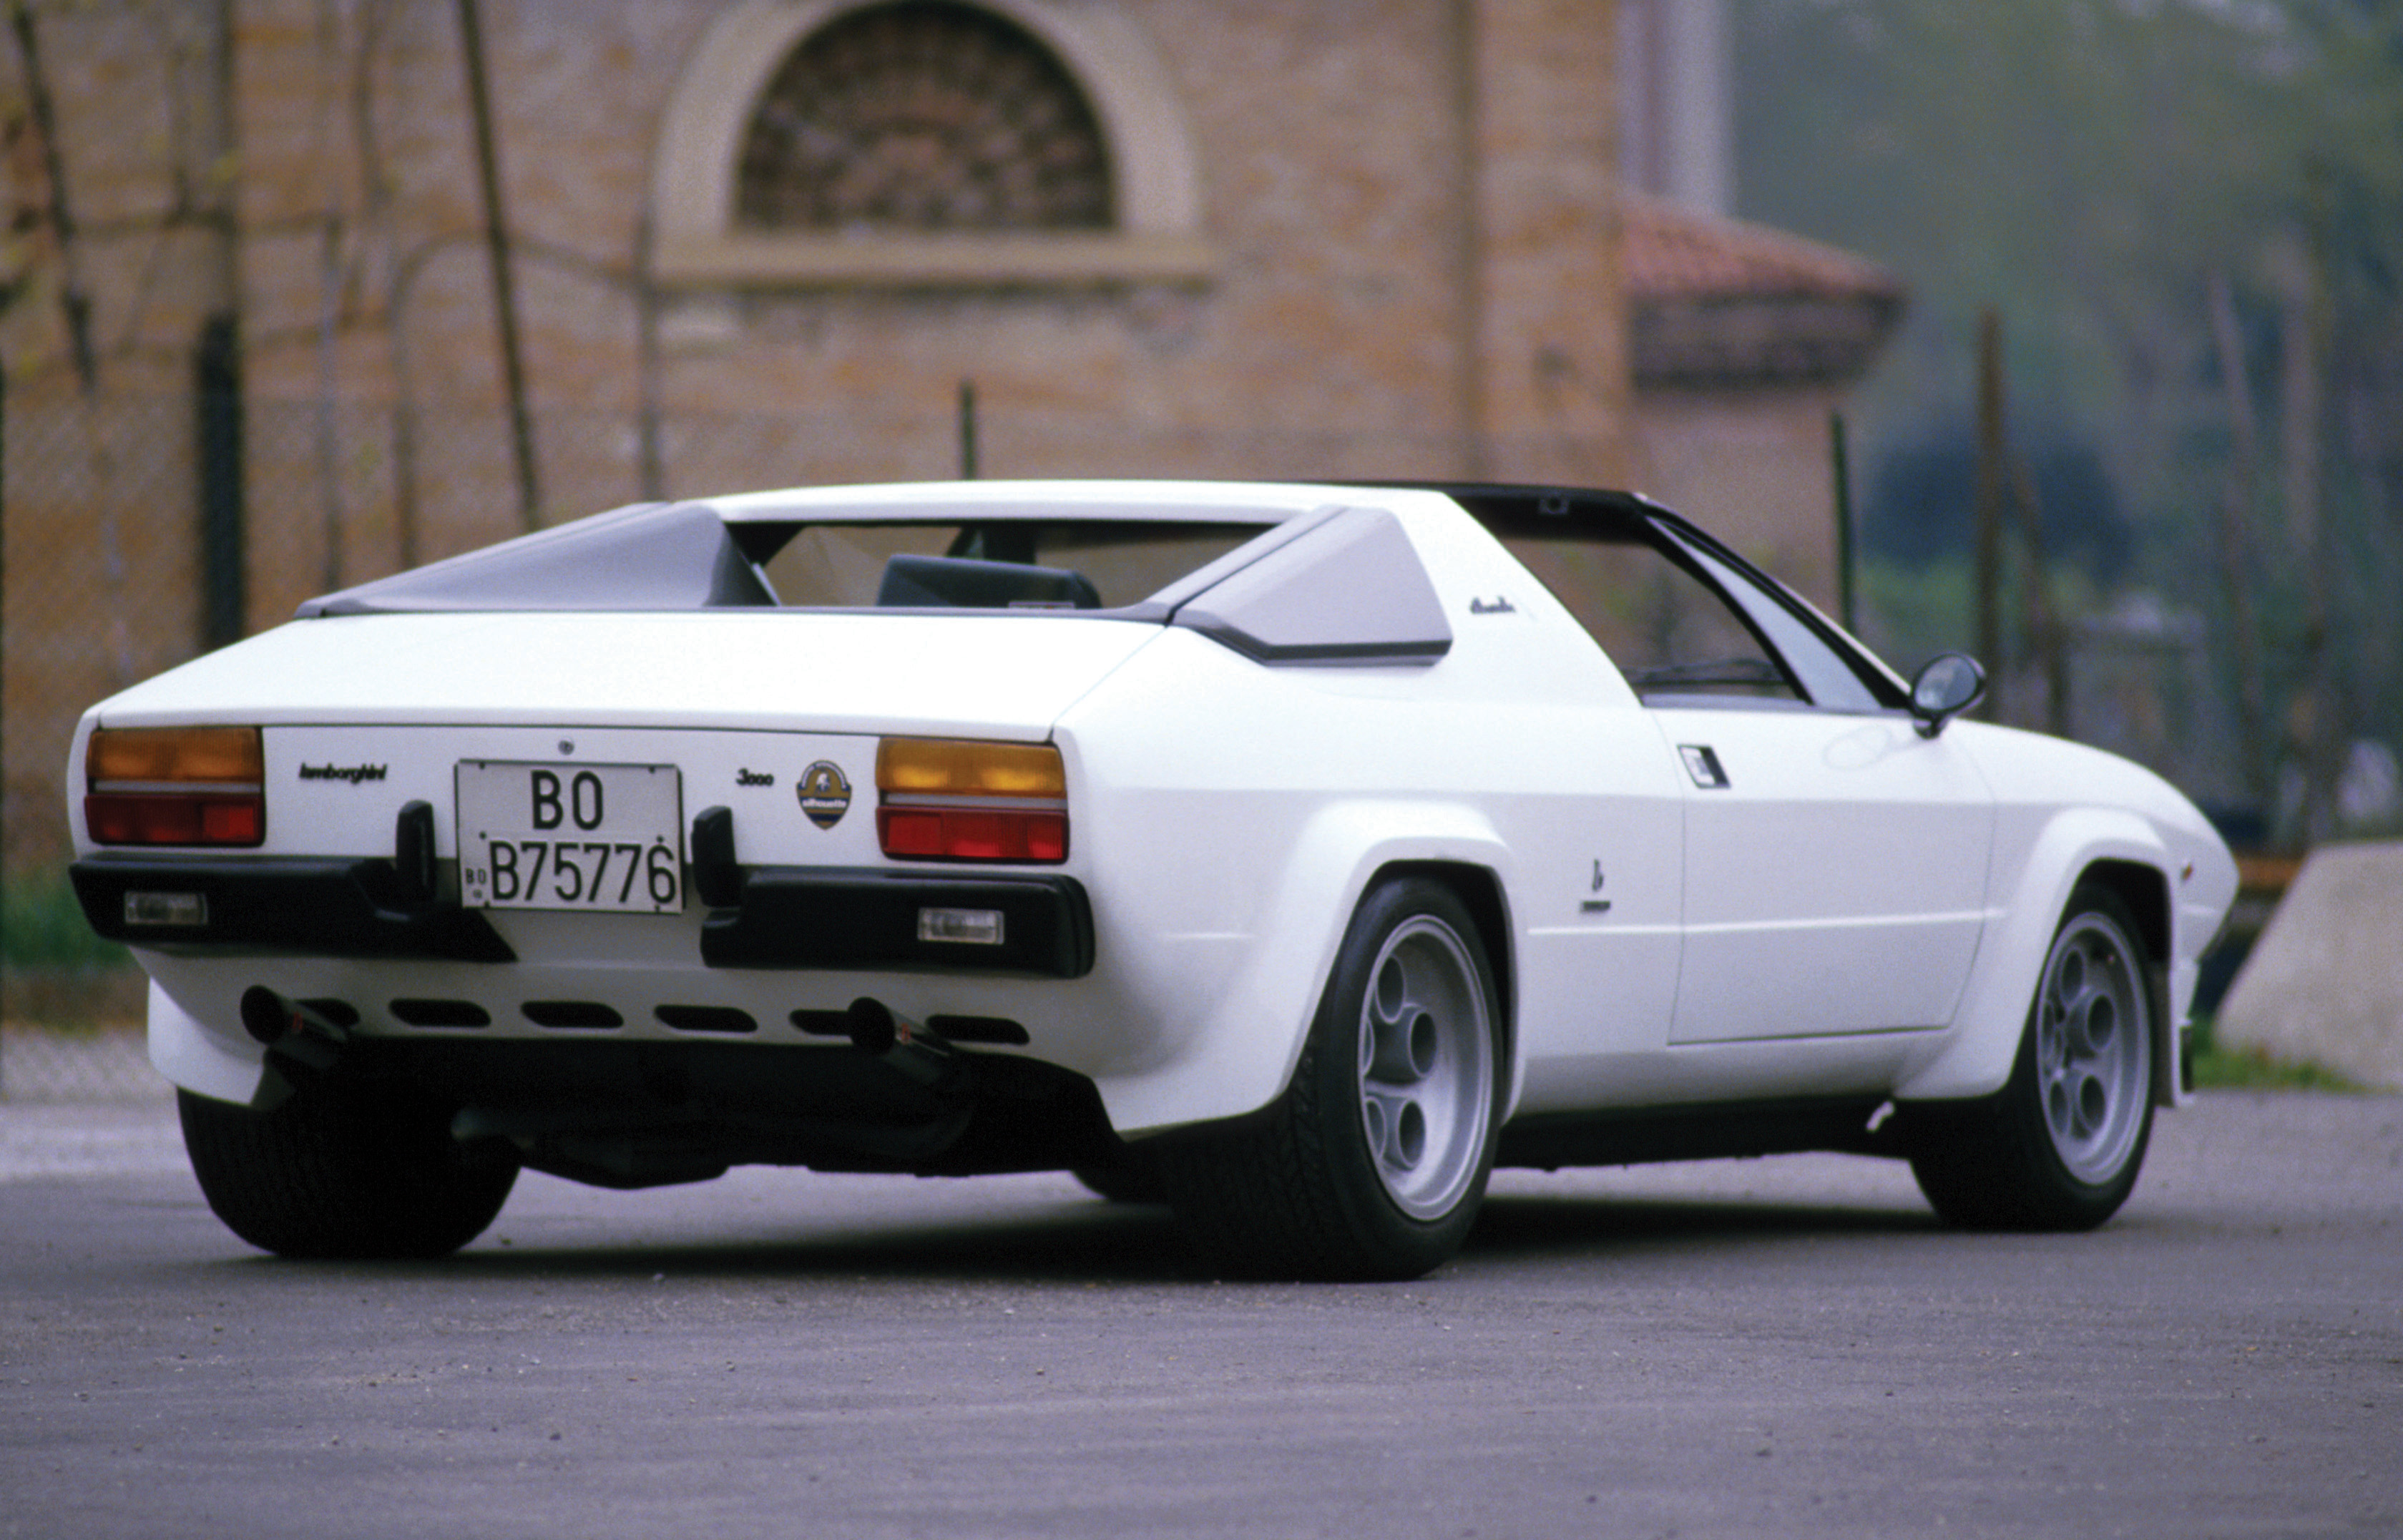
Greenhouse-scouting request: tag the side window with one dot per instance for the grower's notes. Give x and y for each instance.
(1677, 638)
(1827, 678)
(1671, 637)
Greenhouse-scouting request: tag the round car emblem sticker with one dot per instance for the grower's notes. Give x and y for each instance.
(826, 796)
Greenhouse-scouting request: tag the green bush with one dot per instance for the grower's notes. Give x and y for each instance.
(42, 926)
(2217, 1068)
(2251, 1069)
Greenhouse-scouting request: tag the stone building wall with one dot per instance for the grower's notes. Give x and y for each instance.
(1406, 260)
(1756, 468)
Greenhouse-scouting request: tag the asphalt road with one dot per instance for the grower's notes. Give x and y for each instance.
(1772, 1348)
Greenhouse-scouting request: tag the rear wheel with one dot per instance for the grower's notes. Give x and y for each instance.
(1372, 1164)
(2059, 1148)
(345, 1172)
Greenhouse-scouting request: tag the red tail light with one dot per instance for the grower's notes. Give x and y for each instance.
(943, 800)
(175, 786)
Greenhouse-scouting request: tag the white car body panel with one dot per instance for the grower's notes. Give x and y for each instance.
(1863, 911)
(1836, 883)
(2061, 808)
(1200, 750)
(972, 676)
(211, 1064)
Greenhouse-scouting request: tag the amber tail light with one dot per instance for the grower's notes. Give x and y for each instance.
(949, 800)
(175, 786)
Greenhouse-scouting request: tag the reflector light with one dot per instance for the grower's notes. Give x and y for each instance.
(175, 786)
(974, 927)
(947, 800)
(166, 909)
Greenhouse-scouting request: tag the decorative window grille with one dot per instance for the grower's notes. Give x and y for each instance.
(924, 115)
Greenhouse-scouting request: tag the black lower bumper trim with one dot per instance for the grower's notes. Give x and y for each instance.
(286, 904)
(1638, 1135)
(814, 917)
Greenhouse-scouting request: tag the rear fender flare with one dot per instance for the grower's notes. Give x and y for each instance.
(1244, 1055)
(207, 1063)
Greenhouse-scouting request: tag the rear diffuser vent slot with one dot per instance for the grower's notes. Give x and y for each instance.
(705, 1018)
(572, 1014)
(956, 1029)
(441, 1013)
(978, 1029)
(342, 1013)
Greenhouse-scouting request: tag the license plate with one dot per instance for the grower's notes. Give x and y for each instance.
(571, 837)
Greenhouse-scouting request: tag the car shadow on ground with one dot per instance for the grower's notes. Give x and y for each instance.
(1530, 1227)
(1083, 1242)
(1098, 1242)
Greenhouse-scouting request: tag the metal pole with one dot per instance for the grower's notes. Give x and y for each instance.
(1843, 475)
(496, 237)
(4, 685)
(1991, 473)
(329, 453)
(650, 459)
(2237, 553)
(217, 391)
(216, 352)
(1469, 271)
(967, 430)
(74, 301)
(2044, 628)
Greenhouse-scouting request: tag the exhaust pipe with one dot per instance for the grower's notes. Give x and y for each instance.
(922, 1055)
(292, 1032)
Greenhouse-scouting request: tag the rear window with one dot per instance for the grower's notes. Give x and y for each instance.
(1004, 564)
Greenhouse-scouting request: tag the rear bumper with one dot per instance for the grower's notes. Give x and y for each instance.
(783, 917)
(284, 906)
(807, 917)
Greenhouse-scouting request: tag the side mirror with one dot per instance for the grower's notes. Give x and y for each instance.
(1949, 685)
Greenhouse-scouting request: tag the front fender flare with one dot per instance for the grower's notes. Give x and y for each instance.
(1978, 1052)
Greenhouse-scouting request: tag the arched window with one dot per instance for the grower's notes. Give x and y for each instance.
(834, 143)
(924, 115)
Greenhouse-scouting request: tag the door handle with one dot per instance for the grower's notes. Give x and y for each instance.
(1704, 765)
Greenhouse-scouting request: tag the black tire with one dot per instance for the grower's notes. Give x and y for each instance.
(342, 1171)
(2059, 1145)
(1373, 1162)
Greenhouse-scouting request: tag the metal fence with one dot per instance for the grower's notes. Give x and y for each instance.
(41, 1065)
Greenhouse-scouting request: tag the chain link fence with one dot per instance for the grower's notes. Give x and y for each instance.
(42, 1066)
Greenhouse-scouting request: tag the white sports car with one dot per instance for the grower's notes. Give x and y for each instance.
(1294, 855)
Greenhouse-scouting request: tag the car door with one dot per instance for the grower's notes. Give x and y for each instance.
(1835, 867)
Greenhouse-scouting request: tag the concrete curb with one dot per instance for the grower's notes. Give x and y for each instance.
(2325, 983)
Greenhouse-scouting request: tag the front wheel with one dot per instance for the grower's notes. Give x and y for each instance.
(2059, 1146)
(345, 1172)
(1374, 1161)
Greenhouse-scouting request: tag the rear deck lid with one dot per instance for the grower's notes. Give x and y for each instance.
(969, 676)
